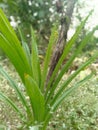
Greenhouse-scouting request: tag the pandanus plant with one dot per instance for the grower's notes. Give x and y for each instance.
(44, 97)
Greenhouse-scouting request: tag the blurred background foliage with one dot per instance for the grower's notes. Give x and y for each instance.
(42, 14)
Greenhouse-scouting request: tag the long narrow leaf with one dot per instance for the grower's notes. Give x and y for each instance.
(25, 46)
(12, 44)
(13, 56)
(52, 40)
(36, 98)
(8, 32)
(35, 60)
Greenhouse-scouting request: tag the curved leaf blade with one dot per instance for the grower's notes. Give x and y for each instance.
(36, 98)
(52, 41)
(35, 60)
(9, 40)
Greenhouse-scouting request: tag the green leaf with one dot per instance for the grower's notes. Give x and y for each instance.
(36, 98)
(35, 60)
(12, 55)
(12, 47)
(25, 46)
(8, 32)
(52, 41)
